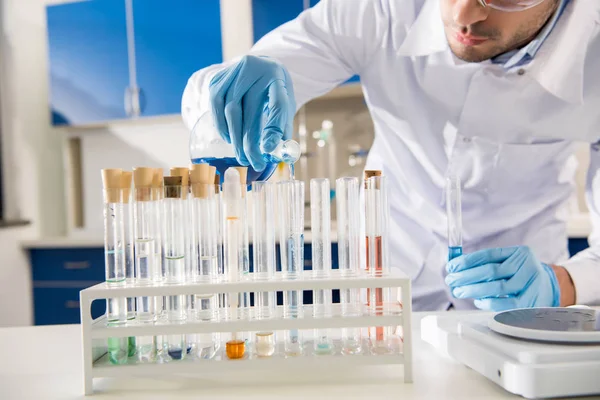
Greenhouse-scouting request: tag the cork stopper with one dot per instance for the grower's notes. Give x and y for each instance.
(370, 174)
(126, 178)
(199, 173)
(202, 180)
(243, 176)
(183, 172)
(111, 181)
(142, 181)
(217, 183)
(157, 184)
(173, 187)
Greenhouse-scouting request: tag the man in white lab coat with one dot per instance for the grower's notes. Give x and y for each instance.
(495, 92)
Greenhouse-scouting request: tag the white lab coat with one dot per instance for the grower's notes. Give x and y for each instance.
(509, 135)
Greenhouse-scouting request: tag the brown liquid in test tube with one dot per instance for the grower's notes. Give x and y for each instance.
(377, 266)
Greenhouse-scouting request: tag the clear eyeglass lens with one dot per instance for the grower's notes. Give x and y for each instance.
(512, 5)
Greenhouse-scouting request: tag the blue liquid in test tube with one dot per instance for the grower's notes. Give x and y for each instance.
(454, 215)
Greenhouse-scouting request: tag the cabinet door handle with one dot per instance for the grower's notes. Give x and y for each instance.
(71, 304)
(76, 265)
(132, 101)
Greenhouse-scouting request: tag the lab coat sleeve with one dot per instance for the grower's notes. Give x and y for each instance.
(584, 267)
(321, 48)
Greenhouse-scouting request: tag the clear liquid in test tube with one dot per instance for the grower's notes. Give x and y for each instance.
(376, 228)
(348, 238)
(114, 257)
(159, 269)
(174, 260)
(291, 230)
(205, 221)
(128, 244)
(144, 209)
(263, 241)
(320, 211)
(454, 215)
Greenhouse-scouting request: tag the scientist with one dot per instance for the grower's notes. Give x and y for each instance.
(495, 91)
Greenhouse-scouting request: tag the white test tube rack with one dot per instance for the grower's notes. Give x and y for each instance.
(95, 331)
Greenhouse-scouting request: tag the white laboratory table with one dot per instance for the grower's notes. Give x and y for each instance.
(45, 363)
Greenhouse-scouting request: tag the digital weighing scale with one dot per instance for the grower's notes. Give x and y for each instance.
(540, 353)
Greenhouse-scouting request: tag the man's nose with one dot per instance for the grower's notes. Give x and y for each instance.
(469, 12)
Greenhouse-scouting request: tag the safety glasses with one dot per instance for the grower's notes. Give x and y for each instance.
(510, 5)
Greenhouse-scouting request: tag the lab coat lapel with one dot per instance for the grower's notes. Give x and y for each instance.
(559, 64)
(426, 35)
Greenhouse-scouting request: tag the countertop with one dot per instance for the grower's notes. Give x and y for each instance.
(45, 363)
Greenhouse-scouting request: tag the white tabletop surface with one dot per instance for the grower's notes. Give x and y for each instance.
(45, 363)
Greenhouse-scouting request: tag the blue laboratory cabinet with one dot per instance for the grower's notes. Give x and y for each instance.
(87, 45)
(105, 66)
(269, 14)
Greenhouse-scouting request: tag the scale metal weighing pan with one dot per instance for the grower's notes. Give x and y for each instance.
(565, 325)
(529, 368)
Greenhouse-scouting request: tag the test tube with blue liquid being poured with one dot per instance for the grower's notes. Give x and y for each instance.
(174, 250)
(233, 243)
(114, 257)
(207, 146)
(291, 230)
(321, 257)
(454, 215)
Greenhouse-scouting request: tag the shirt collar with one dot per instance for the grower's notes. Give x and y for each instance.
(559, 63)
(518, 56)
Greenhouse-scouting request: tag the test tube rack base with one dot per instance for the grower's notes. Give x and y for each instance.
(397, 314)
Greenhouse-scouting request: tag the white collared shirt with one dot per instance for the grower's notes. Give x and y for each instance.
(507, 133)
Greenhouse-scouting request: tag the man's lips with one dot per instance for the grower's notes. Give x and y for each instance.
(469, 40)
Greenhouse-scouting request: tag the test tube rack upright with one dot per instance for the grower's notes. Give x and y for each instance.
(95, 331)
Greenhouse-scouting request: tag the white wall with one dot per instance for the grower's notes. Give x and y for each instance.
(31, 153)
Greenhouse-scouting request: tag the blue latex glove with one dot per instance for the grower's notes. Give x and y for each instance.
(502, 279)
(253, 107)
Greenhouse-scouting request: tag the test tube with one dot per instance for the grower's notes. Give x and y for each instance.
(114, 258)
(376, 228)
(291, 230)
(145, 262)
(184, 173)
(454, 215)
(263, 240)
(159, 269)
(233, 237)
(348, 237)
(126, 180)
(321, 256)
(205, 222)
(174, 252)
(244, 266)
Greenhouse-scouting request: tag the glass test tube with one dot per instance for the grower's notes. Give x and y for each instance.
(376, 228)
(291, 230)
(233, 238)
(263, 241)
(114, 258)
(219, 214)
(244, 268)
(205, 222)
(159, 265)
(321, 256)
(348, 237)
(144, 234)
(126, 181)
(174, 259)
(454, 215)
(188, 236)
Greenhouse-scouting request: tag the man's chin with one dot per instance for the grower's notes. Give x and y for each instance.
(468, 54)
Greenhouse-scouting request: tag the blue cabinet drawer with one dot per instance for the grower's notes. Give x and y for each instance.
(80, 264)
(60, 305)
